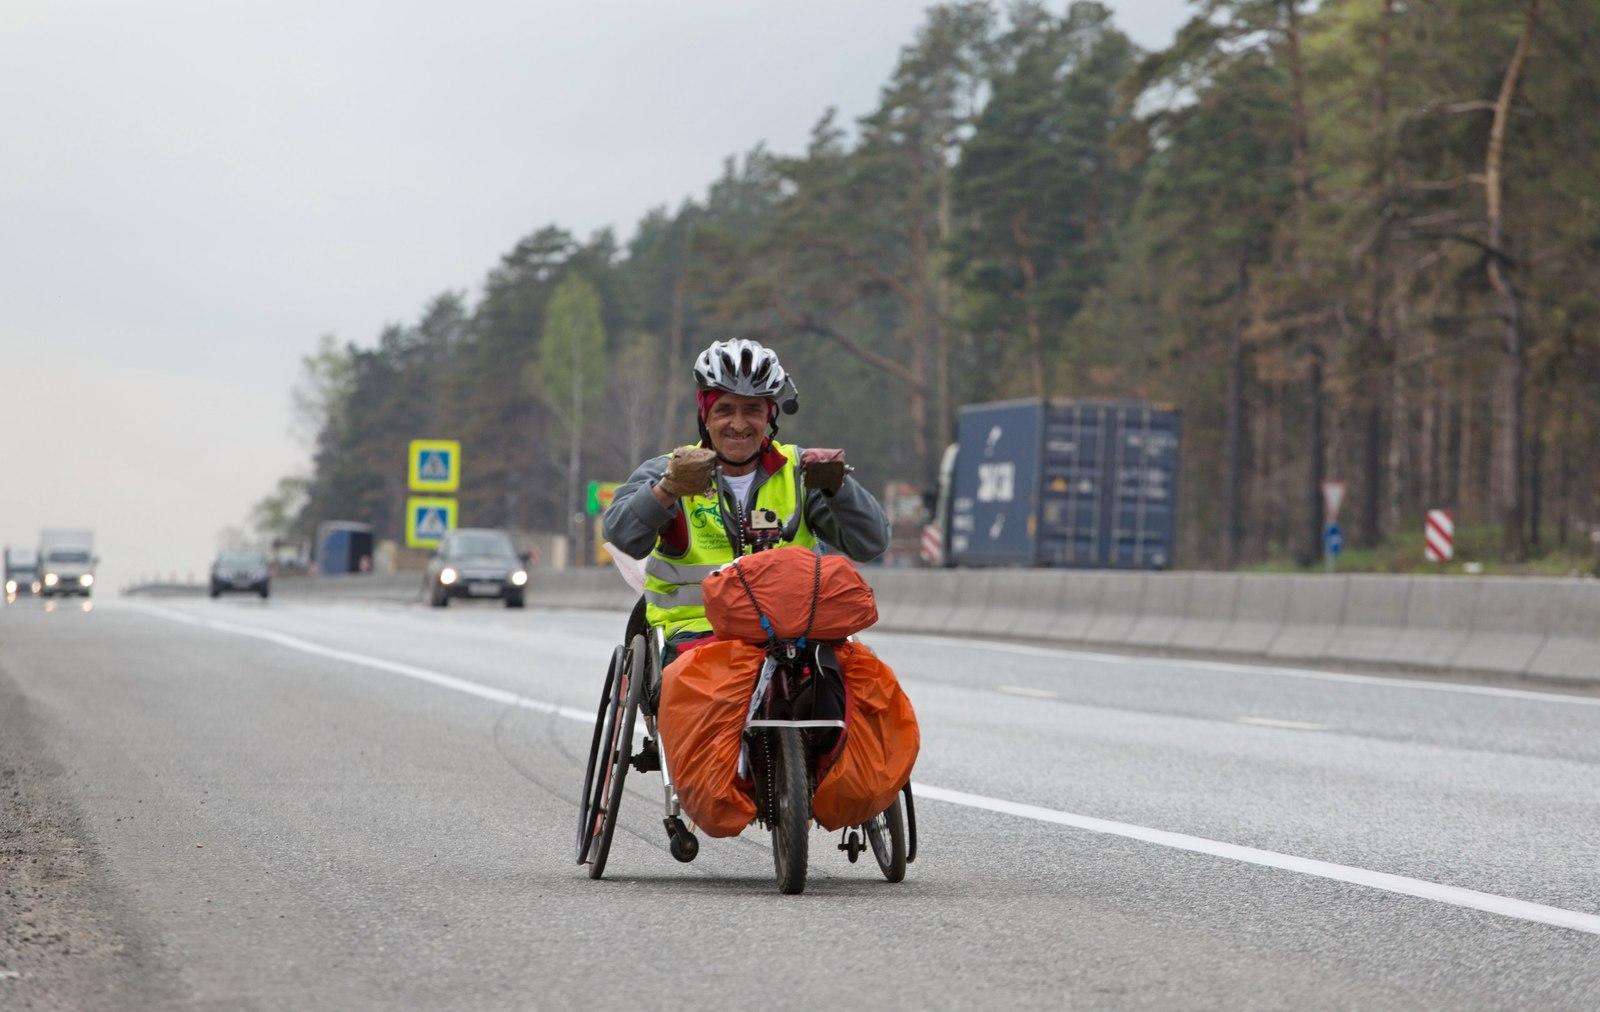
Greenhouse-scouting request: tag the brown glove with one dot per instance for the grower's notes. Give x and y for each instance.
(688, 472)
(824, 469)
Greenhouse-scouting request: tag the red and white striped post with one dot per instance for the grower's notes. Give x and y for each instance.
(932, 545)
(1439, 536)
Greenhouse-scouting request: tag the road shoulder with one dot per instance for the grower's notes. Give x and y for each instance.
(68, 939)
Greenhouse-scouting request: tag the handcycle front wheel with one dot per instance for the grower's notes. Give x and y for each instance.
(591, 804)
(886, 832)
(791, 824)
(619, 753)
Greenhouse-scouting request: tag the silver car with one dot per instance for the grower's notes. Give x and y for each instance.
(477, 563)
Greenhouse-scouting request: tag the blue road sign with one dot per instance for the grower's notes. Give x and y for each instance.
(1333, 540)
(431, 523)
(434, 465)
(428, 520)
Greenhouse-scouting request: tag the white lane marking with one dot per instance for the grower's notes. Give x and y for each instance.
(1226, 667)
(1452, 895)
(1504, 906)
(1292, 725)
(393, 667)
(1023, 690)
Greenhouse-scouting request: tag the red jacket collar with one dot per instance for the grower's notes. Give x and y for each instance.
(772, 459)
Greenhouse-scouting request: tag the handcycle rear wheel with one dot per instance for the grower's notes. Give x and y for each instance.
(592, 800)
(886, 833)
(619, 755)
(791, 824)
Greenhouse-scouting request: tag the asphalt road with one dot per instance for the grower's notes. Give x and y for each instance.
(279, 805)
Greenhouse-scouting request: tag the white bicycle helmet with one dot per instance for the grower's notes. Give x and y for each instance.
(741, 367)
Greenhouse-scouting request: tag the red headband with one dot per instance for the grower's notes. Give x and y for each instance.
(706, 398)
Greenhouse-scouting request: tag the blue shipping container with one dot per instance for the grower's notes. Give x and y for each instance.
(996, 484)
(1075, 483)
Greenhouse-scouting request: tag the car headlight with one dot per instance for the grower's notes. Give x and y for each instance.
(50, 579)
(11, 586)
(86, 580)
(519, 578)
(447, 576)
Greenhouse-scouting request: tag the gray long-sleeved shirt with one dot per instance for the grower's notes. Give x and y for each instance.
(851, 519)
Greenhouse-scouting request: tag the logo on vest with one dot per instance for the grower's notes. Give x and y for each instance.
(703, 515)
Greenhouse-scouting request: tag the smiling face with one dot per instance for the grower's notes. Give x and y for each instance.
(737, 425)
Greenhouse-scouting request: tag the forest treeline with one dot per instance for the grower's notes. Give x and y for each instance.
(1354, 239)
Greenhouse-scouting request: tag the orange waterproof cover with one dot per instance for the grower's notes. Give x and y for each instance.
(705, 695)
(782, 581)
(880, 746)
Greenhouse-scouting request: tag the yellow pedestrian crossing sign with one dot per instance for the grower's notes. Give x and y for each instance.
(428, 519)
(435, 465)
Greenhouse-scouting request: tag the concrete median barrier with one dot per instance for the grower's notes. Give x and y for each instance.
(1510, 619)
(600, 589)
(398, 588)
(1436, 624)
(942, 616)
(1374, 611)
(1542, 628)
(1209, 612)
(1025, 603)
(1081, 593)
(970, 614)
(933, 599)
(892, 588)
(158, 589)
(1258, 616)
(1121, 596)
(1316, 607)
(1161, 611)
(1571, 650)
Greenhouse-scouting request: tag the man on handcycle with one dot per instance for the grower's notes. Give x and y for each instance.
(692, 511)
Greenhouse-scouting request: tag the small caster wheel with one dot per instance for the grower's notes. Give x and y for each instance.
(684, 845)
(853, 845)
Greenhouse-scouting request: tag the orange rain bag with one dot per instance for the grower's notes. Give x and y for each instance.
(705, 696)
(880, 745)
(783, 580)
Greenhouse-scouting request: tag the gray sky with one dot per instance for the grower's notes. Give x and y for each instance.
(193, 190)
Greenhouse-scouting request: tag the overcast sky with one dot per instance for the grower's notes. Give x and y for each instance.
(192, 191)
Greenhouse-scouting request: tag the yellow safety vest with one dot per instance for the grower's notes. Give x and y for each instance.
(672, 595)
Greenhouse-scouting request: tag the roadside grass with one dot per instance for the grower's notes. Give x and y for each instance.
(1477, 553)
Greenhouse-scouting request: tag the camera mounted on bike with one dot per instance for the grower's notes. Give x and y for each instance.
(763, 529)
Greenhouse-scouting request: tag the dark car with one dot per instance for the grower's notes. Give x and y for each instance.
(246, 572)
(477, 563)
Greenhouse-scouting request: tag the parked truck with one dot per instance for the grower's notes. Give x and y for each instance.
(1089, 484)
(22, 572)
(66, 562)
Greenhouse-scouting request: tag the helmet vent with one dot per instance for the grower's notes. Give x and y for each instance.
(741, 367)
